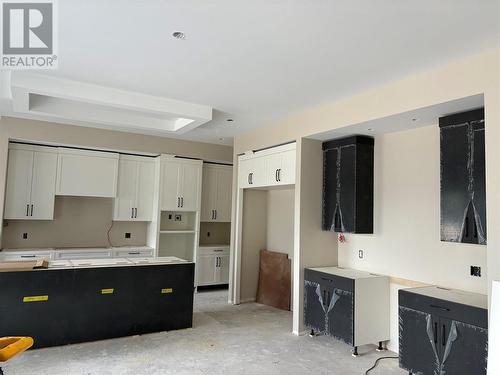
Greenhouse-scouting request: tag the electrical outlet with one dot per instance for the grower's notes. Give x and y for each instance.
(208, 234)
(178, 217)
(361, 254)
(25, 236)
(128, 235)
(475, 271)
(169, 216)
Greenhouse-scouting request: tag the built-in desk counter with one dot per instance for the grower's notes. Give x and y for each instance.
(86, 300)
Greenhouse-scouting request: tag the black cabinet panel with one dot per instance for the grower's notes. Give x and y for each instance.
(103, 307)
(341, 315)
(418, 341)
(465, 350)
(463, 179)
(436, 336)
(35, 304)
(314, 311)
(163, 299)
(348, 185)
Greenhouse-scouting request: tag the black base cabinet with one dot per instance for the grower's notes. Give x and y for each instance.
(67, 306)
(442, 332)
(337, 303)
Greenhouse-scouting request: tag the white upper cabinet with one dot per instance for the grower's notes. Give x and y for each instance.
(216, 193)
(181, 184)
(31, 177)
(86, 173)
(134, 199)
(271, 167)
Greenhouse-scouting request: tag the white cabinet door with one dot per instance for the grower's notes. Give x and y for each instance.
(223, 194)
(273, 165)
(87, 173)
(124, 202)
(43, 185)
(222, 269)
(205, 270)
(245, 168)
(286, 174)
(18, 189)
(171, 175)
(190, 186)
(145, 190)
(208, 193)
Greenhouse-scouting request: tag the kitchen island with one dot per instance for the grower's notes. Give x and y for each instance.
(76, 301)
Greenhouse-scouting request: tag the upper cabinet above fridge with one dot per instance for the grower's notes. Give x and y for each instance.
(463, 178)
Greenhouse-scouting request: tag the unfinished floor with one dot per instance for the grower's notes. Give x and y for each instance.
(245, 339)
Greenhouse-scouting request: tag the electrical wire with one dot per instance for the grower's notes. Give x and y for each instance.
(109, 230)
(376, 363)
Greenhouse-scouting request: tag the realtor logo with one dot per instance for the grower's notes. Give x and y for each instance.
(28, 34)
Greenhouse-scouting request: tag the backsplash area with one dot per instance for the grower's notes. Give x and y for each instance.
(78, 222)
(215, 233)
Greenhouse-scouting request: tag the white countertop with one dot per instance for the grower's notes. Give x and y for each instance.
(114, 262)
(78, 249)
(346, 272)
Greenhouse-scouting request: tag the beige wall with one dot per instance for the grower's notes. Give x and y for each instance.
(406, 239)
(253, 239)
(280, 214)
(474, 75)
(78, 222)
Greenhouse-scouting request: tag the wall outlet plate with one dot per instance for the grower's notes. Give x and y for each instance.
(178, 217)
(475, 271)
(25, 236)
(128, 235)
(361, 254)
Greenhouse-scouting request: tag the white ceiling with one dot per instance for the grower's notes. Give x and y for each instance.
(261, 60)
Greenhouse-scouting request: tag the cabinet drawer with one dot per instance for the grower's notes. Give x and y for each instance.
(217, 251)
(133, 253)
(328, 281)
(89, 254)
(35, 255)
(446, 309)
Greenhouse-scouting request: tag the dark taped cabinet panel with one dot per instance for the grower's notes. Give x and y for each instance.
(327, 308)
(341, 316)
(436, 336)
(468, 348)
(348, 185)
(463, 179)
(416, 350)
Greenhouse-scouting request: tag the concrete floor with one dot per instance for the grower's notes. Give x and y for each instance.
(245, 339)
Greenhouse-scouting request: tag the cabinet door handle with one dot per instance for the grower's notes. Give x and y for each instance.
(475, 229)
(328, 299)
(466, 227)
(215, 214)
(28, 256)
(444, 336)
(134, 253)
(27, 210)
(135, 213)
(182, 201)
(324, 297)
(251, 178)
(439, 307)
(31, 210)
(178, 201)
(132, 214)
(279, 175)
(276, 175)
(435, 333)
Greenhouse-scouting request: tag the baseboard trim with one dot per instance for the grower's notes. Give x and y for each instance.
(246, 300)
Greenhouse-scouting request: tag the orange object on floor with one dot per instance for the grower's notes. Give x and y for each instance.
(12, 346)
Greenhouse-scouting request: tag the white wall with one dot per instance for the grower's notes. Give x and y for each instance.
(406, 239)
